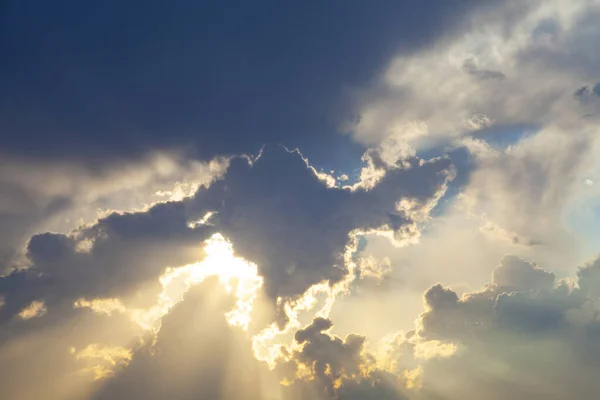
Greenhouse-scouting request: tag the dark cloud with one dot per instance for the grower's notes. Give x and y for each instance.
(126, 251)
(281, 216)
(582, 91)
(19, 212)
(329, 356)
(585, 92)
(275, 210)
(340, 368)
(109, 79)
(522, 296)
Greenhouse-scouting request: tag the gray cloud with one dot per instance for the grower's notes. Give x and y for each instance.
(36, 196)
(516, 336)
(126, 251)
(586, 94)
(229, 83)
(516, 274)
(524, 190)
(276, 210)
(279, 214)
(339, 367)
(471, 68)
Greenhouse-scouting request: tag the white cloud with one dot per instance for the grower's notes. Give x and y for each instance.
(516, 64)
(521, 69)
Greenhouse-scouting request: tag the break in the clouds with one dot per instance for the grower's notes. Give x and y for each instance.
(340, 201)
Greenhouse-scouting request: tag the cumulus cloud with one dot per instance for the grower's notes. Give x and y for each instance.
(38, 195)
(525, 335)
(128, 250)
(295, 227)
(520, 330)
(328, 367)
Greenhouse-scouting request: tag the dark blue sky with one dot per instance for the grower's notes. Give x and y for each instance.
(99, 80)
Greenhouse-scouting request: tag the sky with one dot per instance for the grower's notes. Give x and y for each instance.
(334, 200)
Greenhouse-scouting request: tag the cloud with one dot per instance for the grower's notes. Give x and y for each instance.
(586, 91)
(40, 359)
(128, 251)
(35, 309)
(498, 98)
(295, 227)
(517, 288)
(470, 66)
(524, 190)
(197, 354)
(514, 64)
(228, 83)
(524, 335)
(112, 356)
(275, 209)
(133, 267)
(60, 196)
(328, 367)
(516, 274)
(513, 336)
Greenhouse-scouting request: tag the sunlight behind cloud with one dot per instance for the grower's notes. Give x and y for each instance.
(316, 302)
(239, 276)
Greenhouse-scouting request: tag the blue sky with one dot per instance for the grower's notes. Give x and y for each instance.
(391, 200)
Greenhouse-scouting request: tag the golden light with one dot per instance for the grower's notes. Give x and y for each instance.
(239, 277)
(317, 301)
(108, 356)
(35, 309)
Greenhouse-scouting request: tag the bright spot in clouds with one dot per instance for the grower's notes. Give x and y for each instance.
(105, 306)
(107, 356)
(35, 309)
(239, 277)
